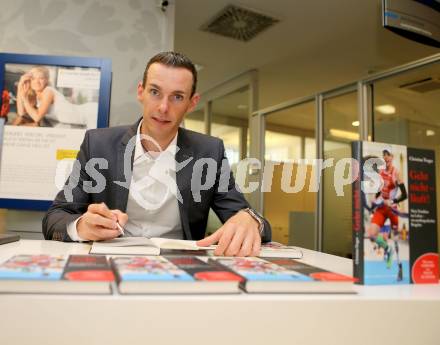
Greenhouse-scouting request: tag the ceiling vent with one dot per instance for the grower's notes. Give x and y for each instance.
(422, 85)
(239, 23)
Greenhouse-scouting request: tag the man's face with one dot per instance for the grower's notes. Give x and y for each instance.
(165, 99)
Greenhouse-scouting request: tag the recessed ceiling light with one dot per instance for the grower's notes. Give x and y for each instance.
(242, 106)
(339, 133)
(355, 123)
(430, 133)
(386, 109)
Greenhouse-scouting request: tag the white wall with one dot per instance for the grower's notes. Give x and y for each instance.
(128, 32)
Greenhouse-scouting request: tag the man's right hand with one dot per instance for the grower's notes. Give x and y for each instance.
(99, 223)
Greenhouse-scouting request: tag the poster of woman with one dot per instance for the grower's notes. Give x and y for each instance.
(52, 96)
(48, 103)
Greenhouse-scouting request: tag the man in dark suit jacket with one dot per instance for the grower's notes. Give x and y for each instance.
(93, 204)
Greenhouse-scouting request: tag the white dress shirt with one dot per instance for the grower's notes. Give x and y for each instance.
(152, 205)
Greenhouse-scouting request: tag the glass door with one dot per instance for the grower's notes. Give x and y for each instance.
(289, 153)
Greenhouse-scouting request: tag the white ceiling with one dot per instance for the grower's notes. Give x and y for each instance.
(317, 45)
(347, 32)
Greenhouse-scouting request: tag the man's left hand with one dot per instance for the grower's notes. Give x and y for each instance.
(239, 236)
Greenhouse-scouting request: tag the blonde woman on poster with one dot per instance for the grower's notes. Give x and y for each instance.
(39, 104)
(31, 90)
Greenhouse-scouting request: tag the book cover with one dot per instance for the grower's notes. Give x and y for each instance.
(423, 216)
(185, 252)
(279, 250)
(148, 268)
(394, 215)
(258, 269)
(33, 267)
(204, 271)
(88, 268)
(316, 273)
(284, 275)
(262, 276)
(173, 274)
(78, 274)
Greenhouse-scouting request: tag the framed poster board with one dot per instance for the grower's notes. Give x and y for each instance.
(47, 103)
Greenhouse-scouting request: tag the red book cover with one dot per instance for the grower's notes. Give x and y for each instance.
(88, 268)
(205, 271)
(394, 215)
(317, 274)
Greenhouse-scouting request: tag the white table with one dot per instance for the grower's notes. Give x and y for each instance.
(383, 315)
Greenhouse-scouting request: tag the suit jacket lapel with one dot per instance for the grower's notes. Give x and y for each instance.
(124, 166)
(184, 162)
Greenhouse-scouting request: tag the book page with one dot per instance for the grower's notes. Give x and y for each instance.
(167, 243)
(125, 242)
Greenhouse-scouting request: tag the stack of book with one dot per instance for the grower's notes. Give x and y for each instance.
(285, 276)
(77, 274)
(177, 274)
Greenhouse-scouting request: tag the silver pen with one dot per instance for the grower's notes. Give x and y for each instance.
(121, 229)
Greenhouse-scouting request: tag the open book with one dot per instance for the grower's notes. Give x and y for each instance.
(142, 246)
(153, 246)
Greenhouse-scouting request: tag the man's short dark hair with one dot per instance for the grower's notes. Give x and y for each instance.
(173, 59)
